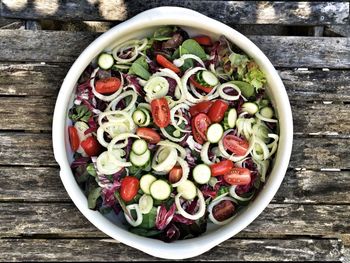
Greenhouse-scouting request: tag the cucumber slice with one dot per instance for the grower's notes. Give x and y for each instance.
(215, 132)
(209, 78)
(201, 173)
(160, 190)
(231, 118)
(140, 160)
(146, 181)
(105, 61)
(187, 189)
(139, 146)
(250, 107)
(145, 203)
(267, 112)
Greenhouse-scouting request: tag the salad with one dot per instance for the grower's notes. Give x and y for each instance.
(172, 132)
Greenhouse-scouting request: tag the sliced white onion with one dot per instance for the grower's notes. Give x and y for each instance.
(124, 136)
(262, 168)
(185, 172)
(139, 216)
(273, 145)
(144, 105)
(201, 210)
(213, 204)
(101, 96)
(237, 197)
(178, 147)
(164, 72)
(113, 104)
(172, 115)
(180, 61)
(111, 115)
(193, 145)
(226, 96)
(106, 165)
(168, 163)
(204, 154)
(263, 146)
(170, 137)
(184, 81)
(259, 116)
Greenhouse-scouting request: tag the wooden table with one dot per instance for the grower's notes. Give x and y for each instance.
(308, 42)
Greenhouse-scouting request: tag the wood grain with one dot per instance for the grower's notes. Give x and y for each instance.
(299, 249)
(43, 184)
(64, 219)
(283, 51)
(309, 153)
(242, 12)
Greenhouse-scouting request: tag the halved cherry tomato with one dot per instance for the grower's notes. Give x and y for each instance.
(73, 138)
(201, 107)
(129, 187)
(199, 86)
(223, 210)
(203, 40)
(221, 168)
(148, 134)
(107, 85)
(236, 145)
(91, 146)
(196, 135)
(202, 123)
(166, 63)
(238, 176)
(160, 112)
(217, 111)
(175, 174)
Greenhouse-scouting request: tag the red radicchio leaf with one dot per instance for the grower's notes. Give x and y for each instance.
(164, 217)
(108, 194)
(181, 219)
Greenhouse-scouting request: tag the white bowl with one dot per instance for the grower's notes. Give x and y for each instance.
(136, 27)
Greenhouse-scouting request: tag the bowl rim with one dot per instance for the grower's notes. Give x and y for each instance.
(183, 17)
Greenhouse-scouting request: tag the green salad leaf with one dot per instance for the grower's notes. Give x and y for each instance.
(93, 196)
(149, 220)
(80, 113)
(192, 47)
(140, 68)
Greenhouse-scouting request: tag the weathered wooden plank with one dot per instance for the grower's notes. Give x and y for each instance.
(45, 80)
(338, 30)
(36, 114)
(309, 153)
(283, 51)
(43, 184)
(301, 249)
(242, 12)
(11, 23)
(64, 219)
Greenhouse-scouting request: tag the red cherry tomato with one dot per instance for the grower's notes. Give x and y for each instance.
(148, 134)
(203, 40)
(217, 111)
(175, 174)
(201, 124)
(197, 137)
(107, 85)
(236, 145)
(221, 168)
(91, 146)
(238, 176)
(201, 107)
(199, 86)
(73, 138)
(129, 188)
(166, 63)
(160, 112)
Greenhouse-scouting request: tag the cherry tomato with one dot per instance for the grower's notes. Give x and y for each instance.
(129, 188)
(223, 210)
(196, 135)
(217, 111)
(199, 86)
(91, 146)
(148, 134)
(73, 138)
(236, 145)
(175, 174)
(221, 168)
(203, 40)
(201, 124)
(201, 107)
(238, 176)
(160, 112)
(107, 85)
(166, 63)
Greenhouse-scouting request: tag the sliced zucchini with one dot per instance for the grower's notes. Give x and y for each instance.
(160, 190)
(250, 107)
(146, 181)
(201, 173)
(267, 112)
(139, 147)
(209, 78)
(187, 189)
(105, 61)
(232, 117)
(140, 160)
(145, 203)
(215, 132)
